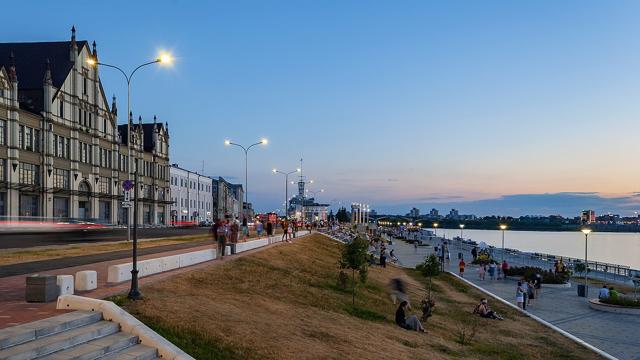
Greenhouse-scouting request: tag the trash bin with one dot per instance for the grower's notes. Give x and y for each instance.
(582, 290)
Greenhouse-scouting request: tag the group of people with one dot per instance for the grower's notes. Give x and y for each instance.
(227, 232)
(399, 293)
(527, 290)
(608, 292)
(379, 246)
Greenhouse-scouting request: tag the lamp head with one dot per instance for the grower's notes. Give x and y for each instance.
(264, 141)
(91, 61)
(299, 170)
(435, 225)
(461, 226)
(275, 170)
(165, 58)
(585, 231)
(503, 227)
(419, 224)
(227, 142)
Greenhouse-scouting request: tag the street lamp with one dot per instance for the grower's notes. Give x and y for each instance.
(435, 229)
(246, 165)
(586, 232)
(503, 227)
(286, 187)
(166, 59)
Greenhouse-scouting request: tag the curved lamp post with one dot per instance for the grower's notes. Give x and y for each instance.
(134, 291)
(246, 165)
(286, 188)
(503, 227)
(586, 231)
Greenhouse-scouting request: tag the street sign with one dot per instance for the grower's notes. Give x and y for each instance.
(127, 204)
(127, 196)
(127, 185)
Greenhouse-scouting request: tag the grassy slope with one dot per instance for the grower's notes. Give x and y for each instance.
(283, 303)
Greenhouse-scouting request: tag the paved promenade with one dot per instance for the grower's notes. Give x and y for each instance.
(616, 334)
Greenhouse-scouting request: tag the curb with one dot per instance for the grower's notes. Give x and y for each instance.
(539, 320)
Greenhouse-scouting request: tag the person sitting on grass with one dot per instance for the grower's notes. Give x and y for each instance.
(485, 311)
(411, 323)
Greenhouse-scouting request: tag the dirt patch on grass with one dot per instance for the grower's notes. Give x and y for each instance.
(283, 303)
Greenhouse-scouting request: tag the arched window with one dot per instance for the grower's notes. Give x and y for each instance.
(84, 187)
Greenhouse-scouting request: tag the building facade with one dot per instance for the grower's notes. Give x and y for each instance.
(61, 154)
(227, 199)
(191, 195)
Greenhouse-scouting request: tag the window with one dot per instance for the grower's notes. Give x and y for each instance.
(36, 140)
(104, 185)
(61, 109)
(84, 85)
(90, 120)
(61, 179)
(29, 174)
(3, 132)
(61, 146)
(21, 136)
(3, 170)
(85, 153)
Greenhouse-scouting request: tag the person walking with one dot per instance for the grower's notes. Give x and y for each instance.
(461, 266)
(269, 228)
(520, 295)
(259, 228)
(234, 232)
(245, 228)
(482, 270)
(285, 229)
(492, 270)
(474, 252)
(505, 268)
(221, 233)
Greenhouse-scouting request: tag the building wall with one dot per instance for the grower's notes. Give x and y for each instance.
(192, 196)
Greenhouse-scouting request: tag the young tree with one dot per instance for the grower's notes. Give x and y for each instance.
(354, 257)
(342, 215)
(429, 268)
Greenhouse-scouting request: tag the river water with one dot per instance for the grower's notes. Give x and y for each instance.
(614, 248)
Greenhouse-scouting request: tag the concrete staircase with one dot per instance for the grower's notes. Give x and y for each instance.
(79, 335)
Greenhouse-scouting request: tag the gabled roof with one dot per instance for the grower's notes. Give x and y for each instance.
(147, 137)
(30, 59)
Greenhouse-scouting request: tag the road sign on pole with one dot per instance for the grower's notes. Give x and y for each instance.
(127, 196)
(127, 185)
(127, 204)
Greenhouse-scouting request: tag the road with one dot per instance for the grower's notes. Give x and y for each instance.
(27, 240)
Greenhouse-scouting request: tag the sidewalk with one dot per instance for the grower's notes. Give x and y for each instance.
(14, 310)
(615, 334)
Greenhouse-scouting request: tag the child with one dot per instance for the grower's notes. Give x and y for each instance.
(461, 265)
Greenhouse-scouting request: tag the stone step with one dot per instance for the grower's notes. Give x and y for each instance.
(94, 349)
(136, 352)
(27, 332)
(60, 341)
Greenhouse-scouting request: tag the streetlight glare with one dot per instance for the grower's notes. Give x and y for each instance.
(165, 58)
(264, 141)
(503, 227)
(299, 170)
(227, 142)
(91, 61)
(586, 231)
(275, 170)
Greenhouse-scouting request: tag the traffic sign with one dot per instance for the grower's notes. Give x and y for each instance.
(127, 196)
(127, 185)
(127, 204)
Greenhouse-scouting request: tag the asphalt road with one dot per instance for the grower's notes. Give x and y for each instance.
(27, 240)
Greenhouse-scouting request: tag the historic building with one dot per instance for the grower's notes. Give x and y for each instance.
(227, 199)
(191, 196)
(61, 152)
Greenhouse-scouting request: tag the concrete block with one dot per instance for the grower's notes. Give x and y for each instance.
(119, 273)
(227, 250)
(65, 283)
(170, 262)
(41, 288)
(86, 280)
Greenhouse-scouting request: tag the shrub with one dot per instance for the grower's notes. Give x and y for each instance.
(622, 301)
(529, 272)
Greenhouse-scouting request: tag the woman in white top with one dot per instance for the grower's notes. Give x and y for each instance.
(520, 294)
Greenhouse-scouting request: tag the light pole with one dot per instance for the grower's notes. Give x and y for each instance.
(435, 229)
(503, 227)
(286, 188)
(586, 232)
(134, 291)
(246, 167)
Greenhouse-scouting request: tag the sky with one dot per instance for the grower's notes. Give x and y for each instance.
(492, 107)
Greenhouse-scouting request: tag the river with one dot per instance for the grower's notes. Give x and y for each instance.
(615, 248)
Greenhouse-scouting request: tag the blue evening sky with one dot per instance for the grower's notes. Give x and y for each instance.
(481, 105)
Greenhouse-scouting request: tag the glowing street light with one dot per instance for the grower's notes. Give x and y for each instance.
(164, 58)
(503, 227)
(286, 187)
(246, 165)
(435, 229)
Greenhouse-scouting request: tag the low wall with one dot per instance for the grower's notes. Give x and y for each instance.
(128, 324)
(122, 272)
(597, 305)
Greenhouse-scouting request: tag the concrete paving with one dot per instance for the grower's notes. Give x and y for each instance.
(616, 334)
